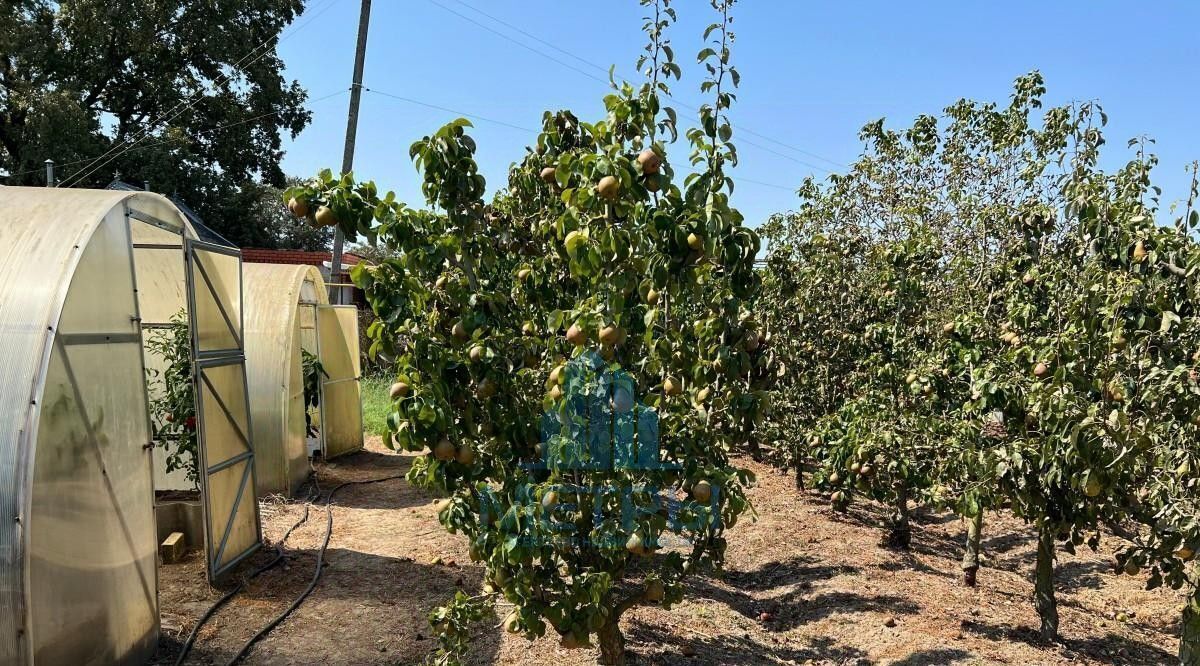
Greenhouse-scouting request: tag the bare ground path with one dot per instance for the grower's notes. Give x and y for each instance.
(803, 585)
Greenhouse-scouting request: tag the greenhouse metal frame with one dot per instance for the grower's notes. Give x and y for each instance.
(83, 271)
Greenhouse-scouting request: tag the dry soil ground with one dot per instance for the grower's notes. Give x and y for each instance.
(830, 592)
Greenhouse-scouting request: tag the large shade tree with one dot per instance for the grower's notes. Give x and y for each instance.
(186, 95)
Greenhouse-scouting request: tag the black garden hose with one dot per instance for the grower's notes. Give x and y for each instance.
(316, 574)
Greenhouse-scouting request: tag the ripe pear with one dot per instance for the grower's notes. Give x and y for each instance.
(398, 390)
(609, 187)
(672, 386)
(576, 335)
(1139, 252)
(523, 274)
(1040, 370)
(649, 161)
(549, 500)
(512, 623)
(299, 207)
(556, 392)
(476, 353)
(1092, 488)
(465, 455)
(652, 184)
(695, 242)
(948, 327)
(702, 491)
(325, 217)
(609, 335)
(444, 450)
(547, 175)
(652, 297)
(459, 331)
(636, 544)
(528, 328)
(557, 375)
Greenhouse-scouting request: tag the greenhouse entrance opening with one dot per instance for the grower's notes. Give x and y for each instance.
(209, 493)
(341, 403)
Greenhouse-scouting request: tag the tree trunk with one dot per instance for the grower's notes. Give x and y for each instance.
(1189, 637)
(612, 643)
(799, 475)
(1043, 587)
(970, 563)
(899, 532)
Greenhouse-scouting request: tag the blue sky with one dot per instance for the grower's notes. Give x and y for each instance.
(812, 74)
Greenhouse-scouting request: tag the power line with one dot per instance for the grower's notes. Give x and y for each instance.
(194, 98)
(530, 35)
(518, 43)
(678, 101)
(449, 110)
(192, 135)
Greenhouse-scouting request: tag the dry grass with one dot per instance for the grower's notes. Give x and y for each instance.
(828, 590)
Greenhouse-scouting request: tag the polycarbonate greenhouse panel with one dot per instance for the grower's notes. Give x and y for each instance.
(274, 294)
(341, 400)
(92, 554)
(231, 507)
(216, 276)
(77, 578)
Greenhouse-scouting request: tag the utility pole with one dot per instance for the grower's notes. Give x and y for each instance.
(360, 57)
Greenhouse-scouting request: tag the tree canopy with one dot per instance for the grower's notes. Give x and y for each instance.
(187, 95)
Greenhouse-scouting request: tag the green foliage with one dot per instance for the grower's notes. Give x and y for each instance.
(78, 78)
(312, 371)
(987, 318)
(172, 392)
(593, 251)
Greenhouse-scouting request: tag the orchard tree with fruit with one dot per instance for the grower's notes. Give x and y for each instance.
(1049, 324)
(596, 257)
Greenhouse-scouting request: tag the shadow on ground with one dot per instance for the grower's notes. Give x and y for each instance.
(794, 606)
(1111, 648)
(691, 649)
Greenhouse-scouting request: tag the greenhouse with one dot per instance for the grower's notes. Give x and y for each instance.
(292, 332)
(85, 274)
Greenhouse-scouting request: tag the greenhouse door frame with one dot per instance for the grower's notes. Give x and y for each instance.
(218, 561)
